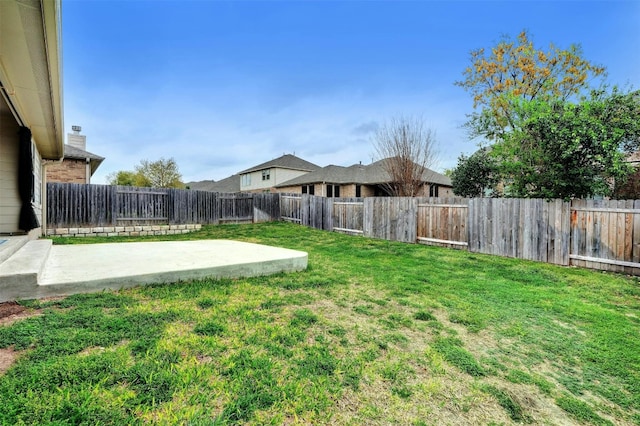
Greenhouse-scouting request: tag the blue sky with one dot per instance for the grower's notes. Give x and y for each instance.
(224, 85)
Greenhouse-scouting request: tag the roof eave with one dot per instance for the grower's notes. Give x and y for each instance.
(30, 70)
(95, 163)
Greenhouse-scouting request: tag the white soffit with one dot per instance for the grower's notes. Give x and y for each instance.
(30, 69)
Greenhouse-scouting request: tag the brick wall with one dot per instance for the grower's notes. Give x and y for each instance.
(69, 171)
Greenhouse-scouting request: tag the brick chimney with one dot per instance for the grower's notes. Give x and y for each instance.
(77, 140)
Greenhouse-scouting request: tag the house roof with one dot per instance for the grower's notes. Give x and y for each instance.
(74, 153)
(230, 184)
(287, 161)
(201, 185)
(371, 174)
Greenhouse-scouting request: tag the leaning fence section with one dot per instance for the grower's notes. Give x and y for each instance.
(141, 206)
(391, 218)
(290, 208)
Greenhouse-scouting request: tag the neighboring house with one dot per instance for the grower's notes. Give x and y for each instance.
(78, 164)
(229, 185)
(630, 188)
(266, 176)
(31, 118)
(359, 181)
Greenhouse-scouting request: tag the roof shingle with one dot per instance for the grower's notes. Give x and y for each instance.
(371, 174)
(287, 161)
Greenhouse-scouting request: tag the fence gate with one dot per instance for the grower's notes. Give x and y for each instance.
(348, 217)
(443, 225)
(290, 208)
(235, 208)
(141, 206)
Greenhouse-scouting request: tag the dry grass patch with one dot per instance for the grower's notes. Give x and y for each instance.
(7, 357)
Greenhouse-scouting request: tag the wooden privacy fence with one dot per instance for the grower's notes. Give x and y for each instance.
(588, 233)
(600, 234)
(77, 205)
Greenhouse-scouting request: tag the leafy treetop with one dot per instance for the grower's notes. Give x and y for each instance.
(162, 173)
(517, 69)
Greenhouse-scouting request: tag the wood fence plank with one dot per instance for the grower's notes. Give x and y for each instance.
(628, 232)
(635, 234)
(620, 223)
(544, 233)
(588, 229)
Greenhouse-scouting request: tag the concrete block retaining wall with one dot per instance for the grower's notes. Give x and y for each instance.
(123, 231)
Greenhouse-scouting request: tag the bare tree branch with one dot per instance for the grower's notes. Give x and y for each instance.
(408, 149)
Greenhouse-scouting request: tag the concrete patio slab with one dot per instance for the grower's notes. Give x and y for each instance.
(71, 269)
(10, 244)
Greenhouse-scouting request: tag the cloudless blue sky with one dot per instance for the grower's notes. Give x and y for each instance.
(224, 85)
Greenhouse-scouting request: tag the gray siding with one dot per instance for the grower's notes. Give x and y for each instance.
(9, 196)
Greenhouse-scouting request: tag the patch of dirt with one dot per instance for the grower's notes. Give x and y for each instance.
(10, 308)
(7, 358)
(11, 312)
(204, 359)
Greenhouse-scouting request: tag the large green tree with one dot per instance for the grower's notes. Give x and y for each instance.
(554, 135)
(127, 178)
(162, 173)
(560, 149)
(476, 175)
(516, 70)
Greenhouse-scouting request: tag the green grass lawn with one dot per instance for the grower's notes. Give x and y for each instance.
(373, 332)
